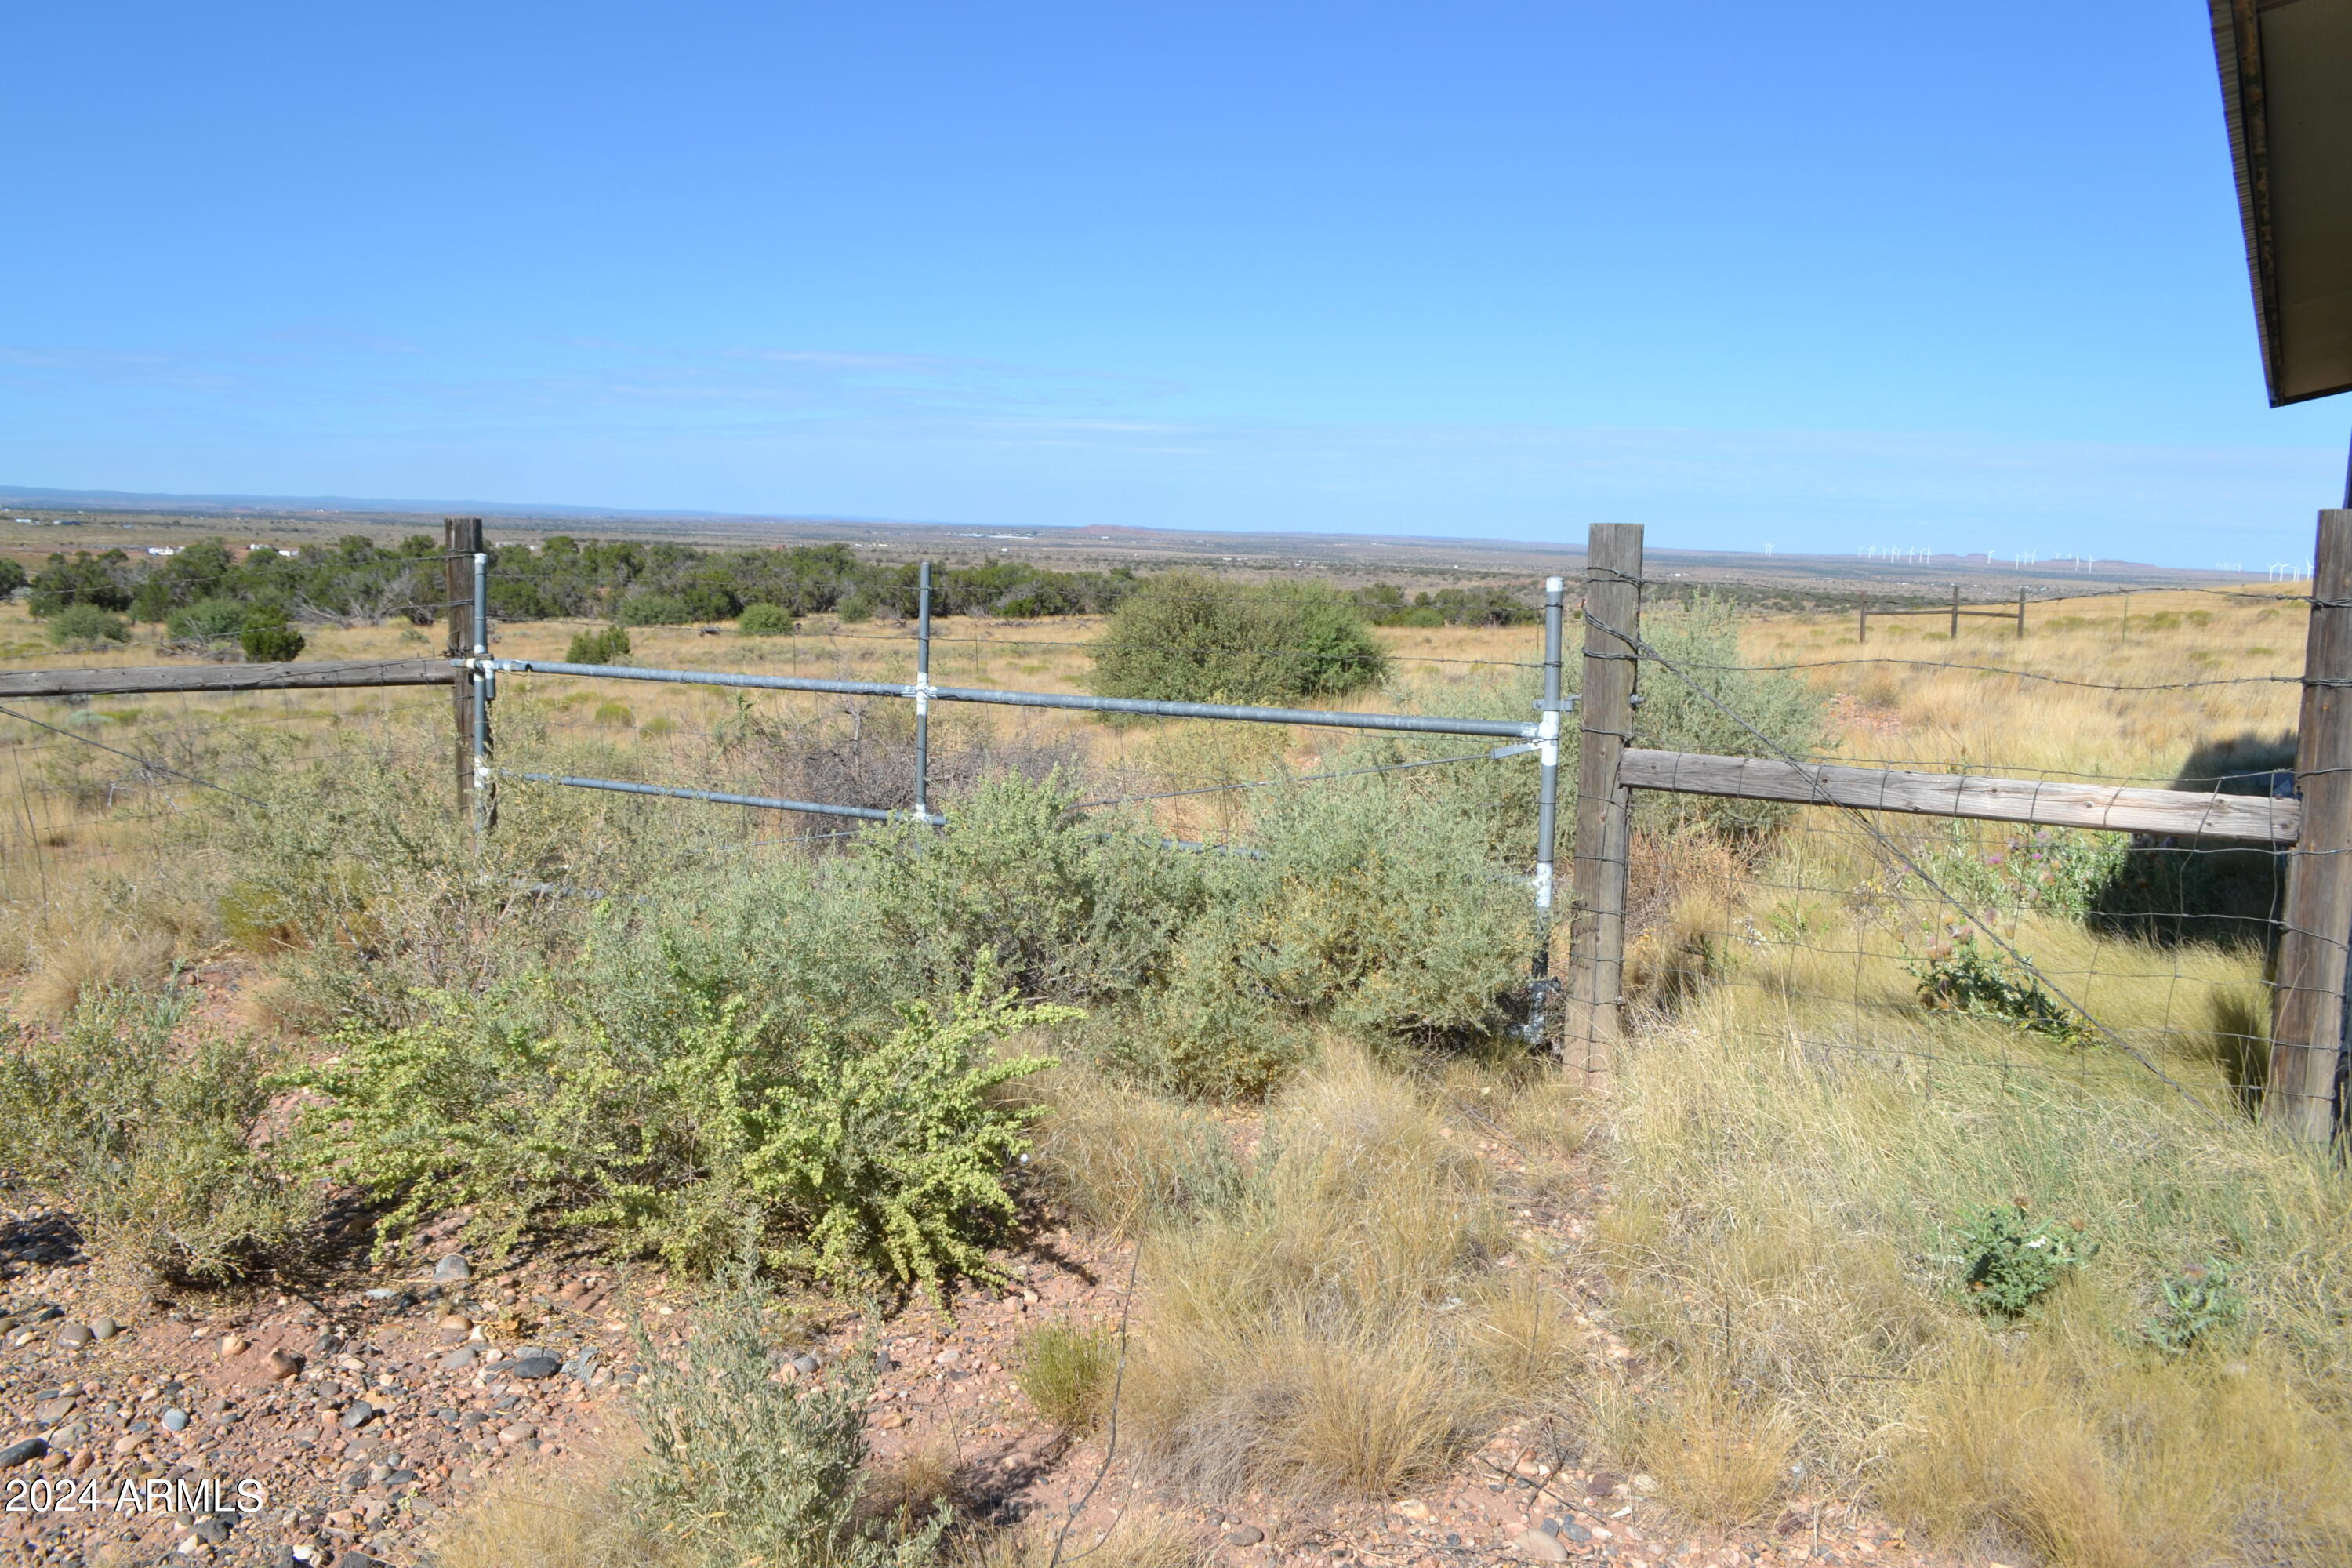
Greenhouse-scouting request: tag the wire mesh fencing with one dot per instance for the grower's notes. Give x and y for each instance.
(1947, 953)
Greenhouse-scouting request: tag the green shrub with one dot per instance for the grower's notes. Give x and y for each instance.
(207, 620)
(2198, 1302)
(268, 639)
(1067, 1372)
(744, 1469)
(1186, 637)
(688, 1122)
(1020, 886)
(1959, 976)
(766, 621)
(2060, 870)
(148, 1143)
(609, 645)
(83, 624)
(654, 610)
(2014, 1260)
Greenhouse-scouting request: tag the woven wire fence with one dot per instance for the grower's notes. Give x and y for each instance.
(1952, 952)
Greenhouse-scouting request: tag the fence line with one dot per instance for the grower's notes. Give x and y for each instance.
(2313, 938)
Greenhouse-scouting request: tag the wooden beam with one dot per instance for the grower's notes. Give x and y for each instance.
(2307, 1005)
(2186, 813)
(1596, 922)
(225, 678)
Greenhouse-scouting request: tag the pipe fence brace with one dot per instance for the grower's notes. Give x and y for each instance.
(1539, 737)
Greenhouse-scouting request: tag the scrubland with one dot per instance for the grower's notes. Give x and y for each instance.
(1870, 1228)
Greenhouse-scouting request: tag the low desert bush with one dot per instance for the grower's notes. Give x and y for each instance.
(1067, 1373)
(207, 620)
(766, 621)
(687, 1119)
(606, 645)
(1187, 637)
(87, 626)
(267, 638)
(1059, 907)
(151, 1142)
(744, 1468)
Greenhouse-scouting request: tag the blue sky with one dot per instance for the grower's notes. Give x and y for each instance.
(1966, 277)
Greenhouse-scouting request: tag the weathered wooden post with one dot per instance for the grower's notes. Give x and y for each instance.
(1596, 929)
(1862, 627)
(2307, 1005)
(461, 540)
(2021, 614)
(1955, 611)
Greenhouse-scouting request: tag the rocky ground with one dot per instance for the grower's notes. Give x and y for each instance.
(343, 1427)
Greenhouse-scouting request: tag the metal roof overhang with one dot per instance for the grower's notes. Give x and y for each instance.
(2286, 88)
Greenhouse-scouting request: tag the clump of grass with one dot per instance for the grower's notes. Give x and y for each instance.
(1115, 1157)
(1133, 1539)
(1067, 1373)
(533, 1518)
(1717, 1456)
(1783, 1247)
(1296, 1336)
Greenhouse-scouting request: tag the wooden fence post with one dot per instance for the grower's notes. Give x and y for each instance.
(461, 540)
(1596, 930)
(1955, 611)
(2021, 614)
(1862, 627)
(2308, 1007)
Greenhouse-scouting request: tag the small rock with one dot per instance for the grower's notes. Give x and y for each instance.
(455, 1327)
(1414, 1510)
(520, 1432)
(233, 1346)
(212, 1529)
(73, 1336)
(1644, 1486)
(1244, 1535)
(805, 1364)
(1573, 1530)
(949, 1357)
(49, 1412)
(458, 1360)
(1538, 1547)
(176, 1420)
(358, 1414)
(1603, 1484)
(284, 1366)
(16, 1454)
(104, 1327)
(384, 1293)
(453, 1270)
(535, 1366)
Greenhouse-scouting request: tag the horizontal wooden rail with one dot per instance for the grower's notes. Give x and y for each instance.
(2183, 813)
(226, 677)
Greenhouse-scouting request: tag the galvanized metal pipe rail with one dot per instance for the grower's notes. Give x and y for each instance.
(1408, 723)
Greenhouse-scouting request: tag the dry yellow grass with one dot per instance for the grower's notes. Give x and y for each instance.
(1302, 1337)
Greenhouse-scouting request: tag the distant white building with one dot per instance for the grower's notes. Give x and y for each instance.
(160, 549)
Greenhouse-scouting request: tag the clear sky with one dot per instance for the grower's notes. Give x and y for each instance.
(1960, 277)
